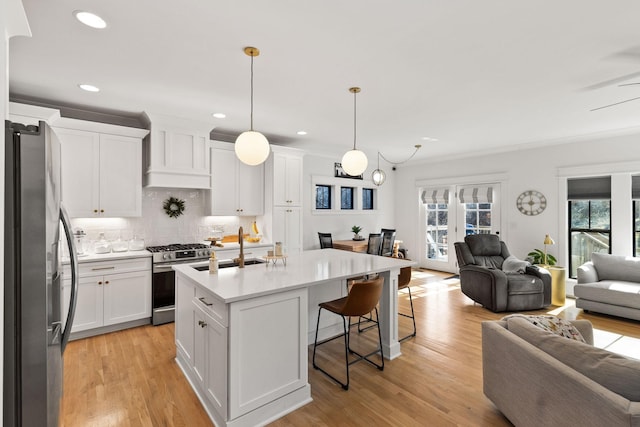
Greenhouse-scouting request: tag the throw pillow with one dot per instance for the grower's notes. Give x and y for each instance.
(551, 324)
(617, 373)
(512, 264)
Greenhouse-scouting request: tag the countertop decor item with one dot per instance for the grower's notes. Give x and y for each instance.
(356, 230)
(354, 162)
(252, 147)
(173, 207)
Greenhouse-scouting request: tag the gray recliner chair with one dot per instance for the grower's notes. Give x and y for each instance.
(480, 261)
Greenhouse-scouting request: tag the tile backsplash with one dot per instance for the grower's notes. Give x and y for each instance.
(156, 227)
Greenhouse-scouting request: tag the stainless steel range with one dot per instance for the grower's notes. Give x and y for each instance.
(163, 283)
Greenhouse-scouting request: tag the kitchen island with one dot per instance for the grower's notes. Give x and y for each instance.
(242, 334)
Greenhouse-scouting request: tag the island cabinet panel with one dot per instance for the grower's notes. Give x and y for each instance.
(267, 349)
(184, 325)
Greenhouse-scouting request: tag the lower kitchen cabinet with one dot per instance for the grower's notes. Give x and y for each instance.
(110, 301)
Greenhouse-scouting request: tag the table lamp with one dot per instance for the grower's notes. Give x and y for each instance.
(547, 241)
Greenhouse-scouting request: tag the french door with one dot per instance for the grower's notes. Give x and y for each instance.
(450, 213)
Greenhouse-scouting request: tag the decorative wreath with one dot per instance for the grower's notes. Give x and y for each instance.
(173, 207)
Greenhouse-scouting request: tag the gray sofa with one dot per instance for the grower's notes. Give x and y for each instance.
(609, 284)
(537, 378)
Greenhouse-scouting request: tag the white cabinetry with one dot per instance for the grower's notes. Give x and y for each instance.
(177, 152)
(240, 373)
(110, 293)
(101, 172)
(287, 188)
(236, 188)
(287, 227)
(284, 177)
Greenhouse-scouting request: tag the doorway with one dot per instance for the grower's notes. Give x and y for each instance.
(448, 214)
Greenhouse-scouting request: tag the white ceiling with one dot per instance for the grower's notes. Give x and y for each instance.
(476, 75)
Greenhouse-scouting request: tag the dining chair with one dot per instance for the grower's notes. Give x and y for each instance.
(404, 279)
(374, 244)
(362, 299)
(326, 242)
(388, 239)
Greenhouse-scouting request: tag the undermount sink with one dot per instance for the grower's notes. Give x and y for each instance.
(229, 263)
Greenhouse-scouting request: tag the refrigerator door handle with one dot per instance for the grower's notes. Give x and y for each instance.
(66, 224)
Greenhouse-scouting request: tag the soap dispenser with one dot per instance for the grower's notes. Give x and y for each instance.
(213, 263)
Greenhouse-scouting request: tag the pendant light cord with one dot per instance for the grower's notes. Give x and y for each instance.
(398, 163)
(251, 126)
(354, 119)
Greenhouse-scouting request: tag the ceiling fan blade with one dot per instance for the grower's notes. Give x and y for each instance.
(613, 81)
(614, 104)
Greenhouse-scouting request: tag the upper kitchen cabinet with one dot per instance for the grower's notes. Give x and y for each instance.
(236, 189)
(176, 152)
(101, 167)
(32, 114)
(287, 179)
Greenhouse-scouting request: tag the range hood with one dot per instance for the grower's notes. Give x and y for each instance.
(176, 152)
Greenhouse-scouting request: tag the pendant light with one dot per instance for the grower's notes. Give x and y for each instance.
(354, 162)
(252, 147)
(378, 176)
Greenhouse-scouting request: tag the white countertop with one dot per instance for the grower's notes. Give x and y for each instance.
(236, 246)
(301, 270)
(110, 256)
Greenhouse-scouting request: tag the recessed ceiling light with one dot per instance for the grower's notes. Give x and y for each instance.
(89, 88)
(219, 115)
(90, 19)
(429, 139)
(301, 132)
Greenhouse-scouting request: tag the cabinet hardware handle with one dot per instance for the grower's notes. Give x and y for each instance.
(102, 268)
(208, 304)
(101, 210)
(202, 324)
(95, 211)
(99, 283)
(106, 282)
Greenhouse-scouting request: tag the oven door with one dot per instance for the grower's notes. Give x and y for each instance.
(163, 293)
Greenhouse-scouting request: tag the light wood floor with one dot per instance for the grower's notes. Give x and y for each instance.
(130, 378)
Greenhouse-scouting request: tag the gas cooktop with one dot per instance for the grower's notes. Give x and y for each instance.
(179, 252)
(176, 247)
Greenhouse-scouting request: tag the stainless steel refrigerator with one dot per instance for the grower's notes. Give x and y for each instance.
(35, 333)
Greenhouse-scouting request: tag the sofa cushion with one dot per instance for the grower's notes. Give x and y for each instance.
(551, 324)
(625, 294)
(614, 372)
(616, 267)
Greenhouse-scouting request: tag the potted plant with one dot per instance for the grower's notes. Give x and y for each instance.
(538, 256)
(356, 229)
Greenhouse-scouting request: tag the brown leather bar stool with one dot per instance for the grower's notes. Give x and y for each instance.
(404, 278)
(362, 299)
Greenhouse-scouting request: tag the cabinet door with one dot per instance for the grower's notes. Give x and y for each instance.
(294, 181)
(222, 196)
(185, 292)
(287, 228)
(89, 304)
(120, 176)
(127, 296)
(80, 158)
(250, 190)
(216, 370)
(287, 181)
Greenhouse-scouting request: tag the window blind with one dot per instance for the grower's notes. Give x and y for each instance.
(635, 187)
(438, 195)
(595, 188)
(480, 194)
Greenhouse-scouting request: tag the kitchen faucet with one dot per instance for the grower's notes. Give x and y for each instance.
(240, 259)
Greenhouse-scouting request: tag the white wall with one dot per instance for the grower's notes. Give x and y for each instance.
(526, 169)
(339, 223)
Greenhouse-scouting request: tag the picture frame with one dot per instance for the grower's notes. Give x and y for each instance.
(340, 173)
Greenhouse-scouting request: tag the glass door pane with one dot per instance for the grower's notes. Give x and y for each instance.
(437, 223)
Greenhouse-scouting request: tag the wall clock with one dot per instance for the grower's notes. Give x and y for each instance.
(531, 202)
